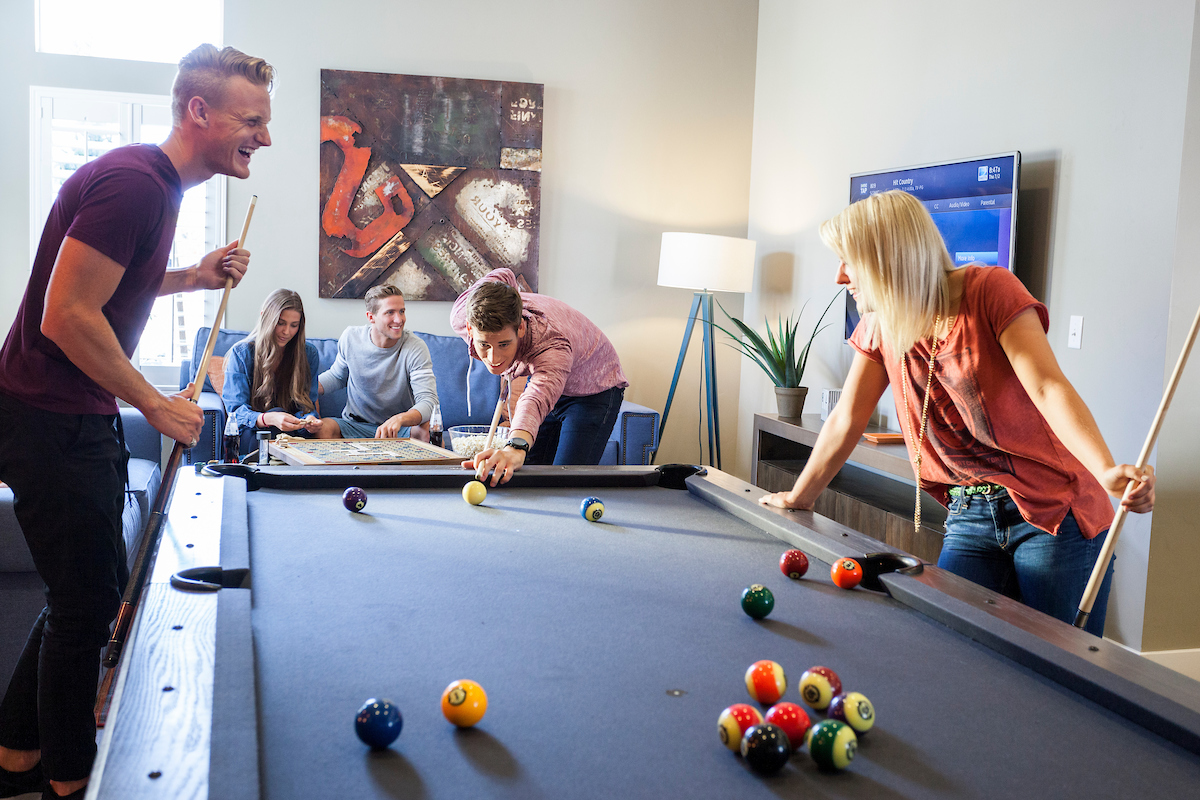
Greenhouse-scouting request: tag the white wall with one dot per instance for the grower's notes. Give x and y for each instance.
(1092, 93)
(647, 129)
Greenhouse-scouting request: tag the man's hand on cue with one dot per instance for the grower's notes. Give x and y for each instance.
(175, 415)
(229, 261)
(1141, 499)
(499, 463)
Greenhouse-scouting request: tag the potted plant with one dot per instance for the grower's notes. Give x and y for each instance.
(778, 356)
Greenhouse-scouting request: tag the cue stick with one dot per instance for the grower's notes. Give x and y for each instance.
(495, 421)
(154, 524)
(1093, 585)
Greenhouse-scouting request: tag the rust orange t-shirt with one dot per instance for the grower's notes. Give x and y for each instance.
(982, 427)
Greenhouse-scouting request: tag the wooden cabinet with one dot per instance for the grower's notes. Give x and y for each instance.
(873, 493)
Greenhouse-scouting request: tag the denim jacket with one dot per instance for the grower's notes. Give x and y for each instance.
(239, 369)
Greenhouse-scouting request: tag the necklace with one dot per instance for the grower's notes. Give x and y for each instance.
(920, 439)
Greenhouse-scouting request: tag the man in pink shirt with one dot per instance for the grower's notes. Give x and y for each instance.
(575, 384)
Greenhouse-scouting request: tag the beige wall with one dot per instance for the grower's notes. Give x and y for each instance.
(1094, 95)
(647, 129)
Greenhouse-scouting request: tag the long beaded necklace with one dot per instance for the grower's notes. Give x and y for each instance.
(924, 412)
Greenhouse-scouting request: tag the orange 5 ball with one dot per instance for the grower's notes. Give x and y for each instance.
(846, 573)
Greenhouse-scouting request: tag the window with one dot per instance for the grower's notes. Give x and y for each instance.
(70, 128)
(137, 30)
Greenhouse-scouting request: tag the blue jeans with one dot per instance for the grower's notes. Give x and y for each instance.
(577, 429)
(989, 543)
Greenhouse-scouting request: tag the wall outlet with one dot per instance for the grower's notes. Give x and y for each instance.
(1075, 334)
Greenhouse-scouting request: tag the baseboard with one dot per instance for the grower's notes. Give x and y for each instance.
(1185, 662)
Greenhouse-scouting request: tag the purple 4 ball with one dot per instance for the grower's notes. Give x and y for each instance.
(354, 499)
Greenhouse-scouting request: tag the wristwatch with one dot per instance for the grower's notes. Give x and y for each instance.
(518, 443)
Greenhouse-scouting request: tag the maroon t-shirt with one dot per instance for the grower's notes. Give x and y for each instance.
(124, 204)
(982, 426)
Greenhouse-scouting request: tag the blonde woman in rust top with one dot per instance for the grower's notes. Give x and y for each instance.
(994, 429)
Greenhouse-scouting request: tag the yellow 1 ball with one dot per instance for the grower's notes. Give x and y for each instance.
(474, 493)
(464, 703)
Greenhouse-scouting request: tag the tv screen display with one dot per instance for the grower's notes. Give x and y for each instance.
(973, 202)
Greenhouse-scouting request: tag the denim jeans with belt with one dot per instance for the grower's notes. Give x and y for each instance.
(988, 542)
(576, 430)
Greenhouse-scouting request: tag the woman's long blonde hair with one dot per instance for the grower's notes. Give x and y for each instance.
(281, 375)
(900, 265)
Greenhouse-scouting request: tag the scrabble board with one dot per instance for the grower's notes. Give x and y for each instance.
(298, 451)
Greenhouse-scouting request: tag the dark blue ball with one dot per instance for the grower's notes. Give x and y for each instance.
(378, 723)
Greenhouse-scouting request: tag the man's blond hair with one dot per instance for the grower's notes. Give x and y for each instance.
(376, 294)
(205, 71)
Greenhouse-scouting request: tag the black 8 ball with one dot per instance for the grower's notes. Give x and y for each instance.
(766, 748)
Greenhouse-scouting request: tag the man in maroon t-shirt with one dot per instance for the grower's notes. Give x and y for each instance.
(100, 265)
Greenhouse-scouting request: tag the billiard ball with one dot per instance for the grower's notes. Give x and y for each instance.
(378, 723)
(766, 748)
(854, 709)
(591, 509)
(464, 703)
(791, 719)
(794, 564)
(846, 573)
(818, 686)
(766, 682)
(734, 722)
(354, 499)
(757, 600)
(474, 492)
(832, 744)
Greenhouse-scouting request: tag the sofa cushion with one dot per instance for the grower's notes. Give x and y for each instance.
(452, 364)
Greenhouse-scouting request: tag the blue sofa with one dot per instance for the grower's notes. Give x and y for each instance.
(634, 438)
(20, 586)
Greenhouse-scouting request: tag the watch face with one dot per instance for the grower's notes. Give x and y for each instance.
(518, 443)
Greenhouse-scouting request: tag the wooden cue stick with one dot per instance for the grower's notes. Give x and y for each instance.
(154, 524)
(495, 416)
(1093, 585)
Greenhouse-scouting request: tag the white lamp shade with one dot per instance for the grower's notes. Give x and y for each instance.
(704, 261)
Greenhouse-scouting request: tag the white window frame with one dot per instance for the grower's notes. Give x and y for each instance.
(42, 194)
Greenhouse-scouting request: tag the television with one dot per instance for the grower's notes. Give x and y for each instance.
(973, 202)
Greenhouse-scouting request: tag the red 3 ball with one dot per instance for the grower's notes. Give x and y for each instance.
(794, 564)
(791, 719)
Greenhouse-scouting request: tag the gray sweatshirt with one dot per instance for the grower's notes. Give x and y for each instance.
(382, 381)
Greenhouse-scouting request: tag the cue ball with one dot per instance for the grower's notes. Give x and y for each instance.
(794, 564)
(734, 722)
(474, 493)
(766, 682)
(464, 703)
(819, 685)
(591, 509)
(832, 744)
(791, 719)
(378, 723)
(855, 710)
(354, 499)
(766, 748)
(846, 573)
(757, 600)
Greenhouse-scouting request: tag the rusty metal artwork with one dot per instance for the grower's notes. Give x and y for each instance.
(427, 183)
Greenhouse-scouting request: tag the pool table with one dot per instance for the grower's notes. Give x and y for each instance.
(607, 649)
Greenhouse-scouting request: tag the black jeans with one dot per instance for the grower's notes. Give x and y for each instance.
(67, 476)
(577, 429)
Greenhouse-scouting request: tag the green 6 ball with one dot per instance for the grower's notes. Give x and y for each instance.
(757, 601)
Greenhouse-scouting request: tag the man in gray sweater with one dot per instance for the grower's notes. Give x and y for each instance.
(388, 375)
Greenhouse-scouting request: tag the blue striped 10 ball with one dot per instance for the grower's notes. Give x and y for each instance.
(591, 509)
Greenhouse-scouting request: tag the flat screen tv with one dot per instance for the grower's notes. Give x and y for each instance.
(973, 202)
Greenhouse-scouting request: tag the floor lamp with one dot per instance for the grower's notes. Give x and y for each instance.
(705, 263)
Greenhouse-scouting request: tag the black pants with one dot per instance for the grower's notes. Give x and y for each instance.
(67, 476)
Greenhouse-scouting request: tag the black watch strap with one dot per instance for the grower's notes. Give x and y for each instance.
(518, 443)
